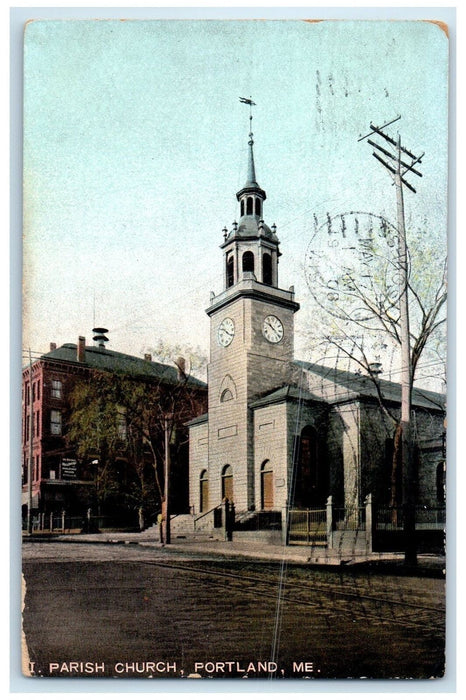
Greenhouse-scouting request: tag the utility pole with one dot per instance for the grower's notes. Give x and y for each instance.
(166, 500)
(392, 160)
(31, 451)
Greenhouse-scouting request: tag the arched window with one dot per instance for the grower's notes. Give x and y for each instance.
(266, 485)
(230, 271)
(248, 261)
(204, 491)
(258, 206)
(242, 207)
(227, 482)
(226, 396)
(227, 389)
(249, 205)
(267, 269)
(441, 482)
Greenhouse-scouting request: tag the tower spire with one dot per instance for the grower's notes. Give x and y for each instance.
(251, 247)
(251, 177)
(251, 180)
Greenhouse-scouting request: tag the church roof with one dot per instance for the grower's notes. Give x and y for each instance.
(111, 361)
(289, 392)
(251, 226)
(335, 386)
(198, 420)
(332, 386)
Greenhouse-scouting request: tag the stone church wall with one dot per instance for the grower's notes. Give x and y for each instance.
(270, 440)
(376, 460)
(198, 461)
(344, 458)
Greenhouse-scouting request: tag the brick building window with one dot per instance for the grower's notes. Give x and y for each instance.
(55, 422)
(37, 423)
(56, 390)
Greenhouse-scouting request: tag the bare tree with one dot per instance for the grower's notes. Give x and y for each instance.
(353, 275)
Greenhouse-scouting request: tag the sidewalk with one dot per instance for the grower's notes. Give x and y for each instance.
(309, 555)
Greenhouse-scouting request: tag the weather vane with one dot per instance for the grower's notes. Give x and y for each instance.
(248, 101)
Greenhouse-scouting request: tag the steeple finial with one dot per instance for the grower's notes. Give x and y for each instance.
(251, 180)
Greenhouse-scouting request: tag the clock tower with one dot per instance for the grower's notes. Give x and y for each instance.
(251, 344)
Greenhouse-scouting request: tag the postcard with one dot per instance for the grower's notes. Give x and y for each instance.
(234, 345)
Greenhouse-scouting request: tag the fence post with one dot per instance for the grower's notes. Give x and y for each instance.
(329, 514)
(285, 526)
(51, 522)
(227, 525)
(63, 521)
(369, 523)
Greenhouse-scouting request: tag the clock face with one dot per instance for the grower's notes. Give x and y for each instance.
(272, 329)
(226, 332)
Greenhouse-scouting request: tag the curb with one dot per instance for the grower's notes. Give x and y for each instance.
(384, 563)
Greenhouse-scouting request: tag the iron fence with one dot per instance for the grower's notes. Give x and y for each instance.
(349, 518)
(65, 523)
(426, 518)
(307, 527)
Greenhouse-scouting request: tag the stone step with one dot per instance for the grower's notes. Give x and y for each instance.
(178, 523)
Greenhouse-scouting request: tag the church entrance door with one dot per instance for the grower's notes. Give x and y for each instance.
(311, 484)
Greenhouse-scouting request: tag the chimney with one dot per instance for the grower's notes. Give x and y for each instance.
(148, 357)
(81, 349)
(53, 346)
(100, 338)
(181, 365)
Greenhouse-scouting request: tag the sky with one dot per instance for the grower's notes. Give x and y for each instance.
(135, 144)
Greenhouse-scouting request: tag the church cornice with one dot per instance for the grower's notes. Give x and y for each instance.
(250, 289)
(264, 239)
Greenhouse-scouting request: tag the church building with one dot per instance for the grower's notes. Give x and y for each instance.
(281, 433)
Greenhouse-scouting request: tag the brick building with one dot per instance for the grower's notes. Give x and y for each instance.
(280, 432)
(61, 481)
